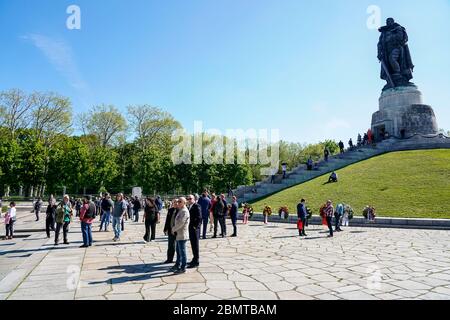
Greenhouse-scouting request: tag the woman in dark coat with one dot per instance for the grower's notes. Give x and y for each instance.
(151, 218)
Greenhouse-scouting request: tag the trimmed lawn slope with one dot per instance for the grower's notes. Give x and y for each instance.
(413, 184)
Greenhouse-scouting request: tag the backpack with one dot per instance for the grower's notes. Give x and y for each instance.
(92, 211)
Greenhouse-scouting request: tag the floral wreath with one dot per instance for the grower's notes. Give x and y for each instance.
(267, 210)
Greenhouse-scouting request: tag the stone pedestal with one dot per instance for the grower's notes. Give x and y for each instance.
(402, 114)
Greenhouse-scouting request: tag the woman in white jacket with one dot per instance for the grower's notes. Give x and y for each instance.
(181, 231)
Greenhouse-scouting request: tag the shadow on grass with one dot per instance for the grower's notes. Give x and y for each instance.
(141, 272)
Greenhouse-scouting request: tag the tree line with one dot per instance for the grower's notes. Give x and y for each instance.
(45, 148)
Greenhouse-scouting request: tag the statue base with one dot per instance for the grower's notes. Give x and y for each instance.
(403, 114)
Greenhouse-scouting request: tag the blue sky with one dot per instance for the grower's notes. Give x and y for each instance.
(308, 68)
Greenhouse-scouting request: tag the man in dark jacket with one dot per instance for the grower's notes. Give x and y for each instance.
(195, 222)
(302, 214)
(136, 208)
(171, 215)
(205, 204)
(234, 215)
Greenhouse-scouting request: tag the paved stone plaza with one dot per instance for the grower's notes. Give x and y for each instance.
(264, 262)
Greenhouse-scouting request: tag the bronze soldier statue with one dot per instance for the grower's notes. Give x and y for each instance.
(394, 55)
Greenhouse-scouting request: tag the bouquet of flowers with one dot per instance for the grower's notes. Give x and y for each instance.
(267, 211)
(284, 212)
(309, 212)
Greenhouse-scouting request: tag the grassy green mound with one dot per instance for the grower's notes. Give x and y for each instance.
(413, 184)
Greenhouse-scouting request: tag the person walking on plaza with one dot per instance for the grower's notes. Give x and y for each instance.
(338, 215)
(64, 214)
(170, 221)
(195, 223)
(136, 208)
(88, 213)
(151, 218)
(180, 229)
(10, 219)
(302, 214)
(234, 215)
(119, 212)
(50, 215)
(37, 208)
(107, 206)
(205, 205)
(219, 208)
(329, 211)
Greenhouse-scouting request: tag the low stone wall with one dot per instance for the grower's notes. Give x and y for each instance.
(380, 222)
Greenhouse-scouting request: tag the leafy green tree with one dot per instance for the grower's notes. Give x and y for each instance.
(106, 123)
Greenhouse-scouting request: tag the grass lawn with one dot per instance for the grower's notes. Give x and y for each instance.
(413, 184)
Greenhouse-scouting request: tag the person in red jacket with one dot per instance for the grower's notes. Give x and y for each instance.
(87, 216)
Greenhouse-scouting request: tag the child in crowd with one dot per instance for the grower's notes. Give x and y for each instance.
(10, 218)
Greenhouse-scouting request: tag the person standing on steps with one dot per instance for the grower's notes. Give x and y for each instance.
(326, 154)
(64, 215)
(329, 211)
(170, 221)
(341, 146)
(180, 229)
(88, 213)
(205, 205)
(234, 215)
(195, 223)
(302, 214)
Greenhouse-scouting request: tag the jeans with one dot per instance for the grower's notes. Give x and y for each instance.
(171, 247)
(330, 227)
(86, 230)
(65, 227)
(106, 218)
(136, 215)
(181, 254)
(205, 226)
(37, 214)
(116, 226)
(10, 229)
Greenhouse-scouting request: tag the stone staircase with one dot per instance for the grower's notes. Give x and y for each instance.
(300, 174)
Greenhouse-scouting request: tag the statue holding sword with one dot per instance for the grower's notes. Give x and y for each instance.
(394, 55)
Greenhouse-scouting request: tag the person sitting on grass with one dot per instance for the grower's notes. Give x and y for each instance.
(333, 177)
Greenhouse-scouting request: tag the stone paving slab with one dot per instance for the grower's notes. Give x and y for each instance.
(265, 262)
